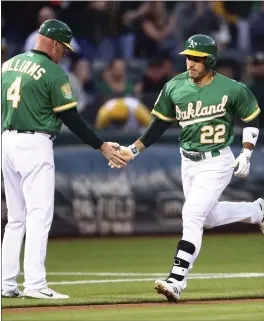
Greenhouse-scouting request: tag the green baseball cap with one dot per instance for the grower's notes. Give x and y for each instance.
(57, 30)
(200, 46)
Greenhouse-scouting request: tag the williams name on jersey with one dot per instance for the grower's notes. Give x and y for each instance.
(26, 66)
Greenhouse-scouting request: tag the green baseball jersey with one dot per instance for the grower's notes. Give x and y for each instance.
(34, 89)
(206, 114)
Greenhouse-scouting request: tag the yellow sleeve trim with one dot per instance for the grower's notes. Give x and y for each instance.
(252, 116)
(162, 117)
(65, 107)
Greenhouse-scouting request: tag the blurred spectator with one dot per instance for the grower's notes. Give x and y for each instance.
(255, 70)
(115, 81)
(121, 33)
(83, 88)
(256, 23)
(89, 21)
(19, 21)
(168, 67)
(79, 76)
(123, 113)
(236, 15)
(228, 67)
(156, 32)
(154, 77)
(179, 66)
(221, 34)
(105, 29)
(241, 11)
(79, 94)
(202, 19)
(196, 17)
(3, 51)
(109, 29)
(44, 14)
(82, 71)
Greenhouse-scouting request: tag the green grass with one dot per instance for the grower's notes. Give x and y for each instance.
(144, 292)
(237, 253)
(219, 254)
(228, 311)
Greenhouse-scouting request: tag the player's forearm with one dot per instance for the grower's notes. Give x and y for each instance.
(139, 145)
(78, 126)
(154, 131)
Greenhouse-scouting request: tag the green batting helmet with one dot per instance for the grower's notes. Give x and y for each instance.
(202, 46)
(57, 30)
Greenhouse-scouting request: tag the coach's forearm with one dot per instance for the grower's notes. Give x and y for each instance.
(154, 131)
(78, 126)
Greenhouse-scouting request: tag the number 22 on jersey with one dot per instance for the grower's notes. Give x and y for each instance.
(213, 134)
(13, 92)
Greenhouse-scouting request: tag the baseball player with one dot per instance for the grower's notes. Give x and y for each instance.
(36, 99)
(204, 103)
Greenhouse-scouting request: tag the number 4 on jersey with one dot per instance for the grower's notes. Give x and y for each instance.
(13, 92)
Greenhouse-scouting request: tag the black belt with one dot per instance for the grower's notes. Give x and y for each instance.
(52, 136)
(198, 156)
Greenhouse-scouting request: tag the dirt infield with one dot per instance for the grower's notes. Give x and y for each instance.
(127, 305)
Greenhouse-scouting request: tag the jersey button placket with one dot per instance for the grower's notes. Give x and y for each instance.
(193, 126)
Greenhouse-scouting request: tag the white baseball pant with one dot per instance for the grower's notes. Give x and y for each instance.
(203, 184)
(29, 181)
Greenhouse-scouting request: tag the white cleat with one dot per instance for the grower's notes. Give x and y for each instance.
(169, 289)
(11, 293)
(261, 204)
(44, 294)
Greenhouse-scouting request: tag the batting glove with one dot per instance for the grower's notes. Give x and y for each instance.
(243, 163)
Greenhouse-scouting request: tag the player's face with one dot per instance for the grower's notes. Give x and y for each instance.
(195, 66)
(58, 51)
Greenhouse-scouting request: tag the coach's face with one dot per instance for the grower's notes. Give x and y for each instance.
(195, 66)
(58, 51)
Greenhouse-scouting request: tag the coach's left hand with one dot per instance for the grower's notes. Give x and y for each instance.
(243, 163)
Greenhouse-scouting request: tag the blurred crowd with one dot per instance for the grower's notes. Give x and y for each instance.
(125, 51)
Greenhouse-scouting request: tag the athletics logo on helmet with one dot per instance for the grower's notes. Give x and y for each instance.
(192, 44)
(202, 46)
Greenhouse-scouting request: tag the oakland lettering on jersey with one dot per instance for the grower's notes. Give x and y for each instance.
(27, 67)
(199, 111)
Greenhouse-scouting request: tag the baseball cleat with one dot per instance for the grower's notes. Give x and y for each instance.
(261, 204)
(44, 294)
(11, 293)
(168, 289)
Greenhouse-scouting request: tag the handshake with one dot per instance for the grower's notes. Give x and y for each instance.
(118, 156)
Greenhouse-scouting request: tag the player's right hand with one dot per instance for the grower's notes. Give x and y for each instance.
(126, 152)
(111, 152)
(243, 163)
